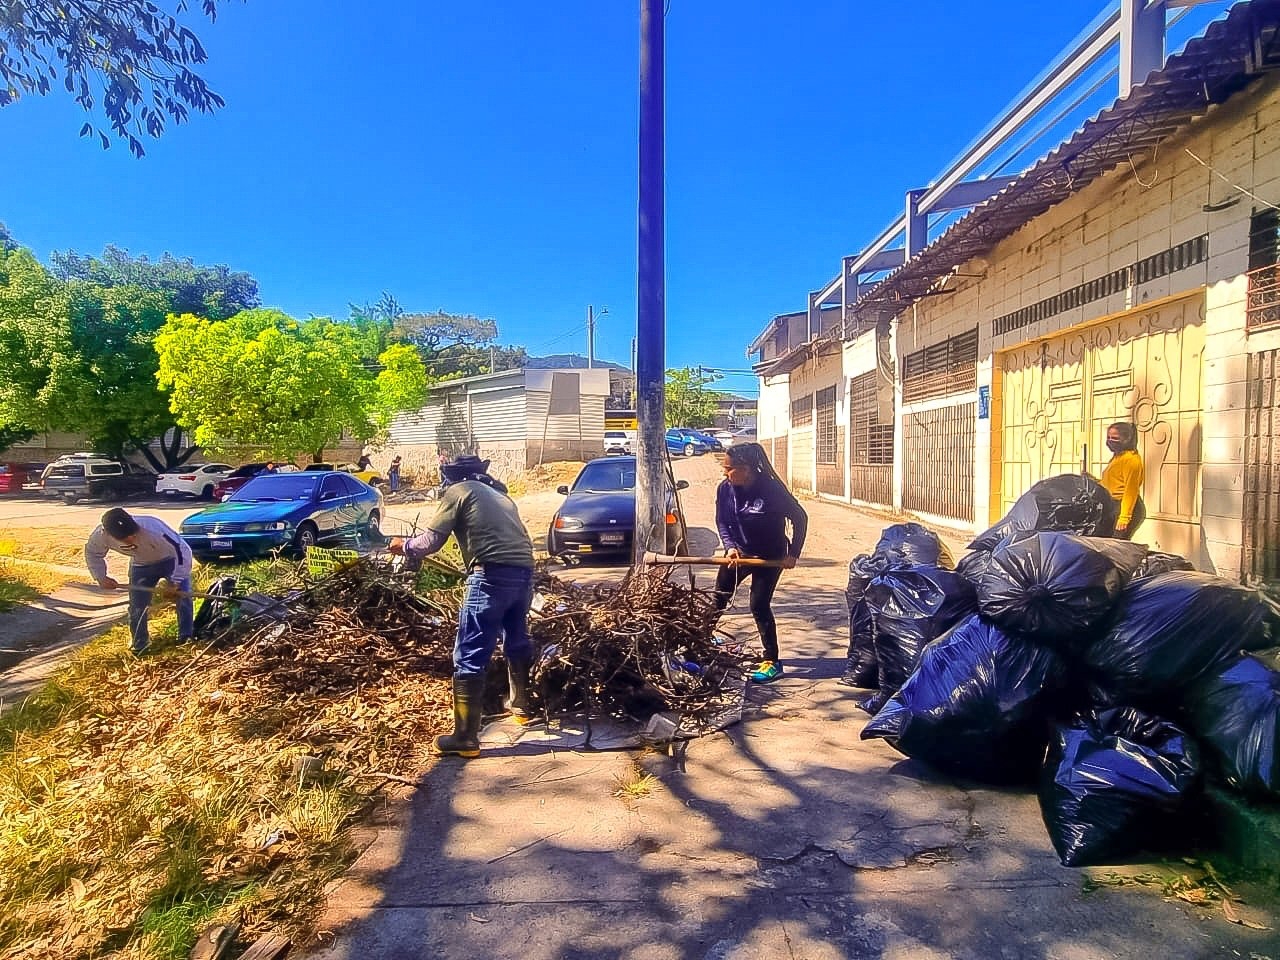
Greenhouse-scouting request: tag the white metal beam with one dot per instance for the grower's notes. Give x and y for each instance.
(1085, 53)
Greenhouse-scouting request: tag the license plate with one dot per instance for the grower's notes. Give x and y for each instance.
(613, 538)
(219, 544)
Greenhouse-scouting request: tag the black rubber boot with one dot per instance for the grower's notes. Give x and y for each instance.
(468, 710)
(518, 681)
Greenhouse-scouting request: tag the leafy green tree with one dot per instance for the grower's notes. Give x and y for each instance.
(36, 348)
(280, 386)
(109, 392)
(688, 402)
(79, 343)
(11, 435)
(215, 292)
(130, 55)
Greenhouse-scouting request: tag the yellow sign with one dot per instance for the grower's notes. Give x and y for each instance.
(325, 561)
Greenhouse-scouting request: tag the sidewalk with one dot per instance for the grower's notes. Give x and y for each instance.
(784, 836)
(36, 637)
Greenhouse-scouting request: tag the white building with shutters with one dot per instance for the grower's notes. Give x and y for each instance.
(1130, 274)
(516, 418)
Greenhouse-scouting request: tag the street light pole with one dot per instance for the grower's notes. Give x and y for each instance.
(651, 446)
(591, 337)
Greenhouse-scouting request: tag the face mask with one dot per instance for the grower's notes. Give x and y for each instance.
(1115, 446)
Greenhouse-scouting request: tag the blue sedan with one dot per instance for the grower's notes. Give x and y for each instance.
(285, 511)
(681, 440)
(598, 515)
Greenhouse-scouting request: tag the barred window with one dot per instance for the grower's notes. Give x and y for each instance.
(941, 369)
(824, 450)
(802, 410)
(1263, 306)
(871, 443)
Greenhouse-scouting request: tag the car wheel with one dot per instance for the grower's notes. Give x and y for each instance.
(371, 530)
(307, 536)
(70, 496)
(207, 492)
(688, 449)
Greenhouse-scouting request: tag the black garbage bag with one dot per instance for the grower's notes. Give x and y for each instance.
(912, 607)
(1056, 586)
(913, 544)
(1170, 631)
(861, 669)
(1069, 503)
(217, 610)
(977, 706)
(974, 565)
(1156, 563)
(1236, 714)
(1116, 783)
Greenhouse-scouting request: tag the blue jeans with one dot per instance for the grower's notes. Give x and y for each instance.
(148, 575)
(497, 602)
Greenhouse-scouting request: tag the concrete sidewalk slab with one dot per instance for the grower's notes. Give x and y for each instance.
(785, 836)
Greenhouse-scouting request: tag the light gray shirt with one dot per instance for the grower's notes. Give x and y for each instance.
(155, 543)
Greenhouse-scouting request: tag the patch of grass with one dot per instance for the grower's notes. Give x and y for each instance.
(141, 801)
(57, 544)
(170, 926)
(34, 574)
(14, 590)
(635, 783)
(272, 575)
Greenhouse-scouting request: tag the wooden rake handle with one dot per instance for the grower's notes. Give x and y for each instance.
(658, 559)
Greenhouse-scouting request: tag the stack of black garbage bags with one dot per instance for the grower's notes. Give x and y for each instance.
(1115, 678)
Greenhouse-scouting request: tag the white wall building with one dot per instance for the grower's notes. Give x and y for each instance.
(1129, 275)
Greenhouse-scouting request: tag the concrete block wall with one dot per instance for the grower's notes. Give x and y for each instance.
(1141, 208)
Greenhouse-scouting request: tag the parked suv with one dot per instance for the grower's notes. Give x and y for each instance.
(91, 476)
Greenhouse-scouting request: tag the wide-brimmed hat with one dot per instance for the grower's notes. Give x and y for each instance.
(463, 466)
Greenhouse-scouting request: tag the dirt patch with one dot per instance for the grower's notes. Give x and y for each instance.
(544, 477)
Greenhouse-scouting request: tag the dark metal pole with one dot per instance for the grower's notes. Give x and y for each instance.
(651, 315)
(591, 336)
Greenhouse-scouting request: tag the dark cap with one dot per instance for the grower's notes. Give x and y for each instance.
(118, 524)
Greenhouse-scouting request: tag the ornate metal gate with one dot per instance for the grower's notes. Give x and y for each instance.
(1058, 396)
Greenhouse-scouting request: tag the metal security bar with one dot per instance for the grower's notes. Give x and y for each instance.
(937, 453)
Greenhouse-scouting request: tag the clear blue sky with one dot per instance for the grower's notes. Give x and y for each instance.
(481, 157)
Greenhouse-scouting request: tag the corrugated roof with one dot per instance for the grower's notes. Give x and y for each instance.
(1232, 53)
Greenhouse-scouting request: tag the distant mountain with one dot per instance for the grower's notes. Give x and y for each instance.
(571, 361)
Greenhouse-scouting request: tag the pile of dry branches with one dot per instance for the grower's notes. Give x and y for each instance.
(632, 649)
(645, 646)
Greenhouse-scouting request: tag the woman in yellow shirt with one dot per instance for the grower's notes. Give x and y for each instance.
(1123, 478)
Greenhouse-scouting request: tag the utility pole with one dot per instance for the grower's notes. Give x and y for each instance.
(591, 337)
(492, 354)
(651, 318)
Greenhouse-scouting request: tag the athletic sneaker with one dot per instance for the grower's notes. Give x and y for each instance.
(767, 672)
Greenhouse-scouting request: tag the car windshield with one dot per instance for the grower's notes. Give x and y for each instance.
(278, 486)
(248, 470)
(603, 476)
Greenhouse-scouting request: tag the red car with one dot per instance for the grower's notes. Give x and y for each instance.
(242, 475)
(13, 476)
